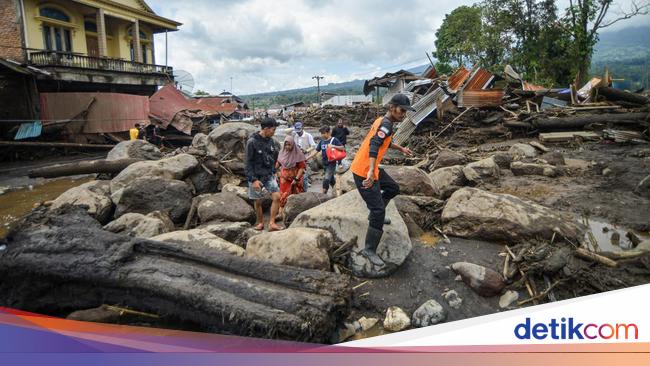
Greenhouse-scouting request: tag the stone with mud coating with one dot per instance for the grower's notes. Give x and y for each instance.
(346, 217)
(298, 203)
(229, 138)
(422, 211)
(147, 194)
(485, 170)
(522, 151)
(447, 180)
(396, 319)
(502, 159)
(225, 207)
(429, 313)
(230, 231)
(175, 167)
(200, 237)
(508, 298)
(298, 247)
(412, 181)
(484, 281)
(521, 168)
(141, 226)
(453, 299)
(474, 213)
(643, 188)
(93, 196)
(242, 192)
(134, 149)
(447, 158)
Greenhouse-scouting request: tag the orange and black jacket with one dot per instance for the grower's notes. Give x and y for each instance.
(375, 144)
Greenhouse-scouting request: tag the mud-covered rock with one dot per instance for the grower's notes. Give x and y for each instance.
(453, 299)
(145, 195)
(347, 218)
(200, 237)
(447, 158)
(554, 158)
(474, 213)
(396, 319)
(298, 247)
(93, 196)
(643, 188)
(175, 167)
(484, 281)
(447, 180)
(233, 232)
(522, 151)
(141, 226)
(204, 182)
(485, 170)
(521, 168)
(229, 138)
(502, 159)
(225, 207)
(411, 180)
(429, 313)
(299, 203)
(134, 149)
(424, 211)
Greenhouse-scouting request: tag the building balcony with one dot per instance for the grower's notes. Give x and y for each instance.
(72, 60)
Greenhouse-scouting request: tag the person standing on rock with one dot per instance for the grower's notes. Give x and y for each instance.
(376, 187)
(327, 142)
(341, 132)
(305, 141)
(261, 155)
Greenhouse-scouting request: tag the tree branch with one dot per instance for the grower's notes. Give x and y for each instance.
(642, 9)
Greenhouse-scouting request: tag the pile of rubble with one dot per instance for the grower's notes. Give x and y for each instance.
(360, 115)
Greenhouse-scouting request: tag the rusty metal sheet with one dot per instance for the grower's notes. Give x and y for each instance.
(532, 87)
(457, 79)
(216, 105)
(480, 98)
(480, 79)
(168, 101)
(95, 112)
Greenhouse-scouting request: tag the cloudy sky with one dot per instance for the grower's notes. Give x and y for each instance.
(277, 45)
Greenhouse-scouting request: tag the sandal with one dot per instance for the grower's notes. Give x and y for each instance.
(275, 227)
(259, 227)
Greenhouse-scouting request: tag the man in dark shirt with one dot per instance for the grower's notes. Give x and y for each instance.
(261, 154)
(341, 132)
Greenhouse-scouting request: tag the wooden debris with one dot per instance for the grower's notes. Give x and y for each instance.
(567, 136)
(591, 256)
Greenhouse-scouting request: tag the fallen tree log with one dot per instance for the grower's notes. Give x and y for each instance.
(57, 144)
(236, 167)
(60, 261)
(581, 120)
(615, 95)
(82, 167)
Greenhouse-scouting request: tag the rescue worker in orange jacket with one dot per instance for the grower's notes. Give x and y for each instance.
(376, 187)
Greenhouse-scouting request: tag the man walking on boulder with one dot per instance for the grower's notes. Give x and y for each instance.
(376, 187)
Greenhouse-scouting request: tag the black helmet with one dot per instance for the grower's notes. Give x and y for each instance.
(402, 101)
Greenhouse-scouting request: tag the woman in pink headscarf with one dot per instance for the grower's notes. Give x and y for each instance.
(290, 167)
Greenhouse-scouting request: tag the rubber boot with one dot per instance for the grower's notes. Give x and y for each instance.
(373, 236)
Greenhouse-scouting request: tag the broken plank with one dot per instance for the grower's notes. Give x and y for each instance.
(567, 136)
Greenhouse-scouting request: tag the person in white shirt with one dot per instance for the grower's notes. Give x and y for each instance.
(305, 141)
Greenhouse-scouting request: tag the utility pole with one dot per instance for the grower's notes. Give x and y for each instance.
(318, 79)
(231, 86)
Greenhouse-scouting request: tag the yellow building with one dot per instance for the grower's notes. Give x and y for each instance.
(81, 46)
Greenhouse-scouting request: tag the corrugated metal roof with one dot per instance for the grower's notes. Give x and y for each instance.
(28, 130)
(480, 98)
(427, 105)
(166, 102)
(480, 79)
(457, 79)
(109, 112)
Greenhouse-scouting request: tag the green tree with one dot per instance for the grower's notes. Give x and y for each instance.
(458, 40)
(201, 92)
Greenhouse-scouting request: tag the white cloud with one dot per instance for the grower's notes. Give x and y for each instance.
(275, 45)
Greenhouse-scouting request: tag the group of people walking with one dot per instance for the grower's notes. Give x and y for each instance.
(283, 171)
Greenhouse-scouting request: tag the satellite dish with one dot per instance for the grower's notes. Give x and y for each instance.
(183, 80)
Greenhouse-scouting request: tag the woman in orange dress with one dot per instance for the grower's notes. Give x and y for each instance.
(290, 167)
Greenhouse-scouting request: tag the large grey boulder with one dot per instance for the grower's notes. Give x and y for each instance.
(346, 181)
(447, 158)
(474, 213)
(412, 181)
(200, 238)
(485, 170)
(147, 194)
(298, 203)
(134, 149)
(141, 226)
(93, 196)
(234, 232)
(175, 167)
(225, 206)
(447, 180)
(229, 138)
(347, 218)
(522, 151)
(204, 182)
(298, 247)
